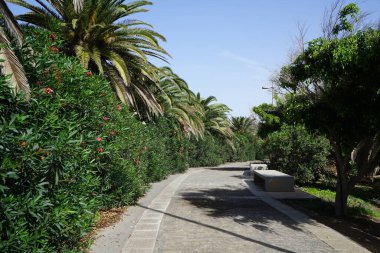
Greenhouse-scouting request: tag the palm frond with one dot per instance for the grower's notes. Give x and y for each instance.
(11, 66)
(78, 5)
(11, 22)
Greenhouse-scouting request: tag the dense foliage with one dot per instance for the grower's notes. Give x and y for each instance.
(270, 119)
(335, 84)
(74, 149)
(296, 152)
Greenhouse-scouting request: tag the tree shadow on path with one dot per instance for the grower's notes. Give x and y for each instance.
(273, 247)
(240, 206)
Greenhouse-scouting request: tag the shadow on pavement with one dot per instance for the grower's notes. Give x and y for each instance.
(237, 205)
(228, 168)
(220, 230)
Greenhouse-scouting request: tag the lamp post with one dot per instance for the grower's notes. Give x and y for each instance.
(272, 90)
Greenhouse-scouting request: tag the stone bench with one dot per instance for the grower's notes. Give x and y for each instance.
(258, 166)
(274, 181)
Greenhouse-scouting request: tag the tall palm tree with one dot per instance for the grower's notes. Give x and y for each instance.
(242, 124)
(178, 101)
(10, 64)
(105, 40)
(215, 118)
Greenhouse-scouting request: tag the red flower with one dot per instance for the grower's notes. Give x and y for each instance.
(89, 73)
(99, 139)
(105, 118)
(52, 37)
(100, 150)
(118, 107)
(49, 91)
(53, 49)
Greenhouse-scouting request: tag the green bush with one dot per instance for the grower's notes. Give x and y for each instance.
(296, 152)
(209, 151)
(73, 149)
(70, 151)
(247, 148)
(212, 150)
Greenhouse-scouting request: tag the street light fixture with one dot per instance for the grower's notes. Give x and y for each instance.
(272, 90)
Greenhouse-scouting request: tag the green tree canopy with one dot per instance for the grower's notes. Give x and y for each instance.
(335, 84)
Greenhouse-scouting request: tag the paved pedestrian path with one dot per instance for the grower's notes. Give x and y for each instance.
(217, 210)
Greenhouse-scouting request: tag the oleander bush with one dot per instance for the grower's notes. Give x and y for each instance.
(74, 149)
(70, 151)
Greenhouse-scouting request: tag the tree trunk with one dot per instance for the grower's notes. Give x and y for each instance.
(342, 164)
(341, 196)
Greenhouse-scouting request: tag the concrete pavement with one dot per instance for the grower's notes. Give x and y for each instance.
(217, 210)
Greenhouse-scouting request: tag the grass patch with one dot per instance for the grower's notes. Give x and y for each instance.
(356, 206)
(363, 201)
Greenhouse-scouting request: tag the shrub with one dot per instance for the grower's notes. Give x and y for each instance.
(73, 149)
(213, 150)
(296, 152)
(70, 151)
(247, 147)
(209, 151)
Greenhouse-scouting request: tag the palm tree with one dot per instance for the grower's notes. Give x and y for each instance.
(242, 124)
(179, 102)
(10, 64)
(100, 34)
(215, 118)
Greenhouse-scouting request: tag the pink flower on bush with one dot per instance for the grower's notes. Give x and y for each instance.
(52, 37)
(89, 73)
(100, 150)
(118, 107)
(113, 133)
(105, 118)
(99, 139)
(49, 91)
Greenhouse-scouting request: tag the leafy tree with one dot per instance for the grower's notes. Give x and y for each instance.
(270, 119)
(348, 16)
(10, 64)
(105, 39)
(336, 83)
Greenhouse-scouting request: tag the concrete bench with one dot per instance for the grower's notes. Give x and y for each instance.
(258, 166)
(274, 181)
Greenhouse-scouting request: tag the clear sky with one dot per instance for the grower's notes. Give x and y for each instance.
(230, 48)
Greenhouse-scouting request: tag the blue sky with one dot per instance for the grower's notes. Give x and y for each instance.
(230, 48)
